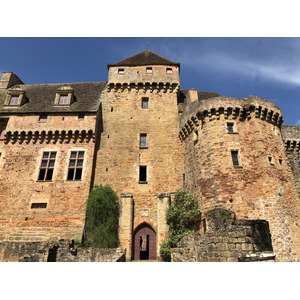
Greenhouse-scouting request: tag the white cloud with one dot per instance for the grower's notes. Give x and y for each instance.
(267, 60)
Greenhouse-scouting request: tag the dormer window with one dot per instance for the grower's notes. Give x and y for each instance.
(149, 70)
(14, 100)
(64, 96)
(63, 99)
(15, 97)
(169, 70)
(121, 71)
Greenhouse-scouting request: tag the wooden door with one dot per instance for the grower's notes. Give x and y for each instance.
(144, 243)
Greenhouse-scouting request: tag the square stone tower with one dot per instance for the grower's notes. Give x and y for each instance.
(139, 153)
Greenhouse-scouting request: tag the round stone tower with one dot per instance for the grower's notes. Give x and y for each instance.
(234, 158)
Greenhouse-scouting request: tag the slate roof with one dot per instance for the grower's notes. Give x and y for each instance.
(41, 98)
(144, 58)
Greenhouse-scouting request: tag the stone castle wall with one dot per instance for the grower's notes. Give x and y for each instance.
(261, 186)
(59, 251)
(226, 240)
(291, 138)
(21, 155)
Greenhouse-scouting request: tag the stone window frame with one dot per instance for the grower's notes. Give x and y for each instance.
(47, 168)
(80, 116)
(62, 91)
(69, 159)
(233, 127)
(3, 123)
(271, 160)
(149, 70)
(15, 93)
(169, 70)
(146, 99)
(144, 135)
(38, 205)
(43, 120)
(195, 136)
(143, 181)
(239, 165)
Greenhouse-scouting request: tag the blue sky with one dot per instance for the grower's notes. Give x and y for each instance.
(235, 67)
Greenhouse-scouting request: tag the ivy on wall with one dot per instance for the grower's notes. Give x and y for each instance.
(102, 218)
(183, 216)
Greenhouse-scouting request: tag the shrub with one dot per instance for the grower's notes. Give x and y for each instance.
(102, 218)
(182, 217)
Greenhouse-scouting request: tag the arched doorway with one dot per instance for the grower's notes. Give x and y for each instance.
(144, 247)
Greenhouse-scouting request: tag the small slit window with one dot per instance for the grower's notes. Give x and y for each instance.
(270, 159)
(230, 128)
(121, 71)
(149, 70)
(143, 140)
(2, 130)
(145, 103)
(38, 205)
(143, 174)
(43, 118)
(75, 165)
(47, 166)
(235, 158)
(169, 70)
(80, 116)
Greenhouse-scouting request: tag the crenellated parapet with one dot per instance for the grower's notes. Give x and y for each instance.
(165, 87)
(77, 136)
(292, 145)
(240, 109)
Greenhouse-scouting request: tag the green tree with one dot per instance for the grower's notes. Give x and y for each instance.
(102, 218)
(182, 217)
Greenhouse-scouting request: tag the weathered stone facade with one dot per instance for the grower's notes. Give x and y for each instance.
(145, 137)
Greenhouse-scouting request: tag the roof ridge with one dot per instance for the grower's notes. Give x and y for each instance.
(59, 83)
(146, 57)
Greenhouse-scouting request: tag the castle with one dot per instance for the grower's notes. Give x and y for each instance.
(145, 137)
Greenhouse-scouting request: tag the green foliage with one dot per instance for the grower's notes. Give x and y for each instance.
(182, 217)
(102, 218)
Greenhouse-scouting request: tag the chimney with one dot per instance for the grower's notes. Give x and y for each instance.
(193, 95)
(9, 79)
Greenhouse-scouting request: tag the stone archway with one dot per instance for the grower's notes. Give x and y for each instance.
(144, 242)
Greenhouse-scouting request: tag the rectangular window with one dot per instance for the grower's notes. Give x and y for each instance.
(235, 158)
(230, 127)
(149, 70)
(270, 158)
(121, 71)
(43, 118)
(80, 116)
(169, 71)
(47, 166)
(2, 130)
(14, 100)
(145, 102)
(75, 165)
(63, 99)
(143, 174)
(38, 205)
(143, 140)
